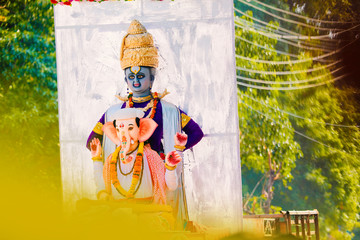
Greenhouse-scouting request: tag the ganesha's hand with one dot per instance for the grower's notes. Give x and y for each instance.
(95, 148)
(181, 139)
(172, 158)
(103, 195)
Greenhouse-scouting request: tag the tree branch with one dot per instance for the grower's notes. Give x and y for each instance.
(253, 191)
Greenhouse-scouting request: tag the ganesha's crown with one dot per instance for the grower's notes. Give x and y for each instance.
(138, 48)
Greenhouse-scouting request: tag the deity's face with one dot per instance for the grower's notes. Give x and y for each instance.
(139, 80)
(128, 132)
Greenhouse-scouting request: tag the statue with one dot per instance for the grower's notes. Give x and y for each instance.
(139, 59)
(150, 177)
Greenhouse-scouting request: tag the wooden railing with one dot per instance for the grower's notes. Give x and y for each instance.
(303, 224)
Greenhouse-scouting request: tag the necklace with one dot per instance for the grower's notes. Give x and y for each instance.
(137, 172)
(144, 109)
(142, 99)
(152, 104)
(125, 174)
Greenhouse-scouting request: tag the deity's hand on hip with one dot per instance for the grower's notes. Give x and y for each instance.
(95, 148)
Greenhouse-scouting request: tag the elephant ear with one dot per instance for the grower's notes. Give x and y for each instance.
(110, 132)
(146, 129)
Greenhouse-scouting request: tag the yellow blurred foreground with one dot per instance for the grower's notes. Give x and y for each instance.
(29, 212)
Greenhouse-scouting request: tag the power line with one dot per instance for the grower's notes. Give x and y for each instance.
(268, 26)
(288, 72)
(292, 88)
(263, 47)
(298, 44)
(281, 62)
(265, 115)
(271, 27)
(289, 82)
(299, 36)
(300, 16)
(296, 35)
(297, 61)
(279, 37)
(265, 23)
(288, 20)
(291, 129)
(297, 116)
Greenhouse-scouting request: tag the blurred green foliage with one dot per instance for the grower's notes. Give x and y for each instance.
(28, 97)
(323, 177)
(307, 175)
(267, 143)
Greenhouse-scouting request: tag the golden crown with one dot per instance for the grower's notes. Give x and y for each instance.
(138, 48)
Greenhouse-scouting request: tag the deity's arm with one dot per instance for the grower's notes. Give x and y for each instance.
(171, 179)
(96, 132)
(192, 129)
(98, 176)
(98, 165)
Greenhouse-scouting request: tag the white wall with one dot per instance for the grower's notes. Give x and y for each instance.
(197, 65)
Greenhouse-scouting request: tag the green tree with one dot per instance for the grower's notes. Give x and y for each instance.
(28, 96)
(334, 10)
(267, 142)
(326, 177)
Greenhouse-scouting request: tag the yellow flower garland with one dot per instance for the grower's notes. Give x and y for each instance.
(136, 174)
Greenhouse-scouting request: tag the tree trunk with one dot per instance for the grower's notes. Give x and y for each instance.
(272, 175)
(269, 191)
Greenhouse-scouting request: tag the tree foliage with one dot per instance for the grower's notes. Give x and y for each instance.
(28, 95)
(325, 176)
(267, 142)
(328, 173)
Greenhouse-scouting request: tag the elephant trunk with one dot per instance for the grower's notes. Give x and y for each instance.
(125, 146)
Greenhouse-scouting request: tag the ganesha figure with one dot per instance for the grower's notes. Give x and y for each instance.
(134, 170)
(139, 60)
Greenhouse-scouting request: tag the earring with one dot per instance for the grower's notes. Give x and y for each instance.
(127, 91)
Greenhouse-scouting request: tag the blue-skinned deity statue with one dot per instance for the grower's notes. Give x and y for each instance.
(139, 60)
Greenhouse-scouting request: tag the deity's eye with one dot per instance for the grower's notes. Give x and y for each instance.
(140, 76)
(131, 128)
(131, 76)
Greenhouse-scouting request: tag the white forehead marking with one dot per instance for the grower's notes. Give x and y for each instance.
(135, 69)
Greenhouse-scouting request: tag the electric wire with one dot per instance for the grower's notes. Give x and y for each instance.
(288, 72)
(300, 36)
(297, 61)
(294, 42)
(289, 20)
(297, 116)
(300, 16)
(267, 28)
(274, 35)
(291, 129)
(266, 48)
(297, 44)
(265, 23)
(270, 27)
(297, 35)
(290, 82)
(283, 62)
(292, 88)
